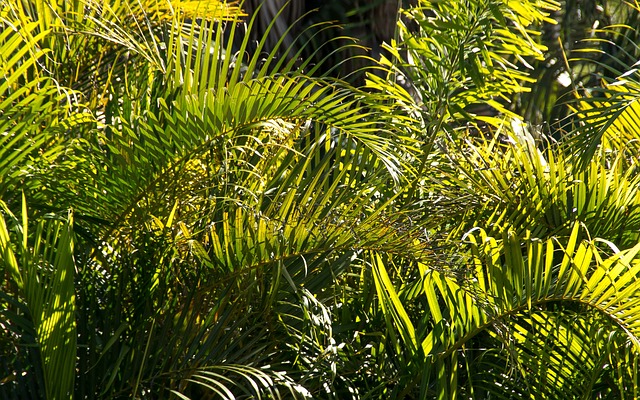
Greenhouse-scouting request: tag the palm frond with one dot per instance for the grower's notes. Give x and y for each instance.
(29, 140)
(42, 270)
(223, 174)
(510, 293)
(544, 192)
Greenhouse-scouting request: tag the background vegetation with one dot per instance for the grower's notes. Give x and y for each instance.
(193, 211)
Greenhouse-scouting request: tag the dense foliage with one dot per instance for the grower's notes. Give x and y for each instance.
(186, 213)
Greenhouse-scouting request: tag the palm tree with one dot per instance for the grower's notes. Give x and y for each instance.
(185, 218)
(590, 41)
(218, 199)
(536, 296)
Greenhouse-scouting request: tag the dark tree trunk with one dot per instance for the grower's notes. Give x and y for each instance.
(371, 23)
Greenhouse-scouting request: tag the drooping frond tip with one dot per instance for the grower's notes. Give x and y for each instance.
(219, 10)
(211, 9)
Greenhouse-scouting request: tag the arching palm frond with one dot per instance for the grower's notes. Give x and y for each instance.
(595, 38)
(602, 113)
(608, 120)
(41, 309)
(545, 192)
(463, 76)
(39, 334)
(37, 112)
(536, 317)
(225, 108)
(218, 193)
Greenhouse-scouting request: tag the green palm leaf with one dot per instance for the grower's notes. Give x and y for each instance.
(42, 270)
